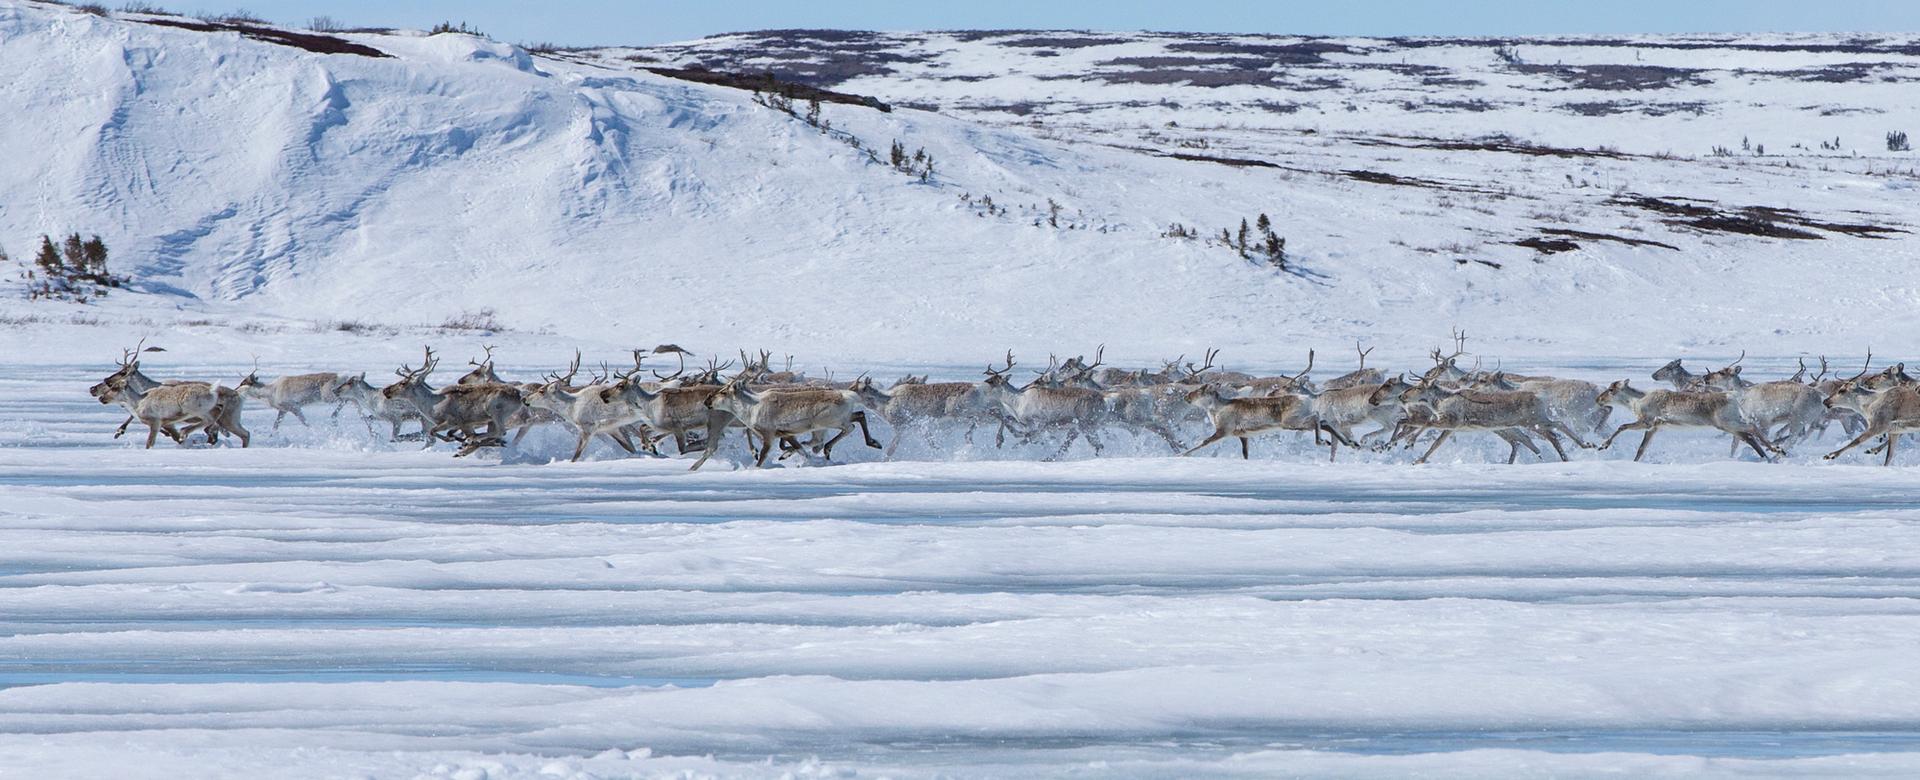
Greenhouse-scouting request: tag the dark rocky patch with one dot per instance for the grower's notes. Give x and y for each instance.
(1272, 107)
(1380, 177)
(1475, 105)
(1305, 53)
(1610, 108)
(319, 44)
(1582, 234)
(1198, 78)
(1617, 77)
(1236, 162)
(1882, 72)
(1501, 144)
(1855, 46)
(1022, 108)
(1547, 246)
(1058, 42)
(766, 82)
(1752, 226)
(1763, 221)
(1183, 62)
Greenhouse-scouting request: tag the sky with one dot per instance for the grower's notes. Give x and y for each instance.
(638, 22)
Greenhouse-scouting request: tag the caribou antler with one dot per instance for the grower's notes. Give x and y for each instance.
(1053, 364)
(572, 369)
(1194, 373)
(485, 360)
(1086, 369)
(427, 365)
(1868, 366)
(1363, 354)
(1001, 372)
(1736, 361)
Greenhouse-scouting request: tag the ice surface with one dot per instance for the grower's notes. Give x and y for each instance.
(325, 604)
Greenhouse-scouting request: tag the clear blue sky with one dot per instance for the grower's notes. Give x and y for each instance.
(659, 21)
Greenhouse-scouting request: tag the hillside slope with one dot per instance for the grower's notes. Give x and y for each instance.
(581, 196)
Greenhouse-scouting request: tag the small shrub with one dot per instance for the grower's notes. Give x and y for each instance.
(542, 47)
(919, 165)
(75, 270)
(357, 328)
(143, 8)
(482, 319)
(324, 24)
(1508, 55)
(1271, 244)
(242, 16)
(92, 8)
(450, 27)
(1897, 142)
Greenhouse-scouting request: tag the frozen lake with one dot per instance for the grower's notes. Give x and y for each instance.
(324, 605)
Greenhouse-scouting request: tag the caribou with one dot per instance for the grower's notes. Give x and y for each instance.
(1075, 397)
(1658, 409)
(1246, 416)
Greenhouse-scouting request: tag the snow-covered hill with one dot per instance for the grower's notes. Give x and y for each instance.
(241, 178)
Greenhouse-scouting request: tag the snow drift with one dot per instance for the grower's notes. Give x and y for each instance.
(580, 196)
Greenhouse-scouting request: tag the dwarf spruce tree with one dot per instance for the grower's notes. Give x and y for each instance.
(48, 258)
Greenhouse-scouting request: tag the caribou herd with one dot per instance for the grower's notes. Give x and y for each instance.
(1067, 401)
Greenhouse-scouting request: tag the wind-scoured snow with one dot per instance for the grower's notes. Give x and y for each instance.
(238, 179)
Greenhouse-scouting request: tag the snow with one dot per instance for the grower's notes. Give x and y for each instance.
(328, 604)
(244, 183)
(325, 604)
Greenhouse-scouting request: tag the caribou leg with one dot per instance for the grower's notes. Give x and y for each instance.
(1073, 434)
(1547, 431)
(1645, 439)
(1218, 434)
(1864, 437)
(1515, 440)
(766, 446)
(1636, 425)
(827, 451)
(1444, 436)
(861, 417)
(1093, 438)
